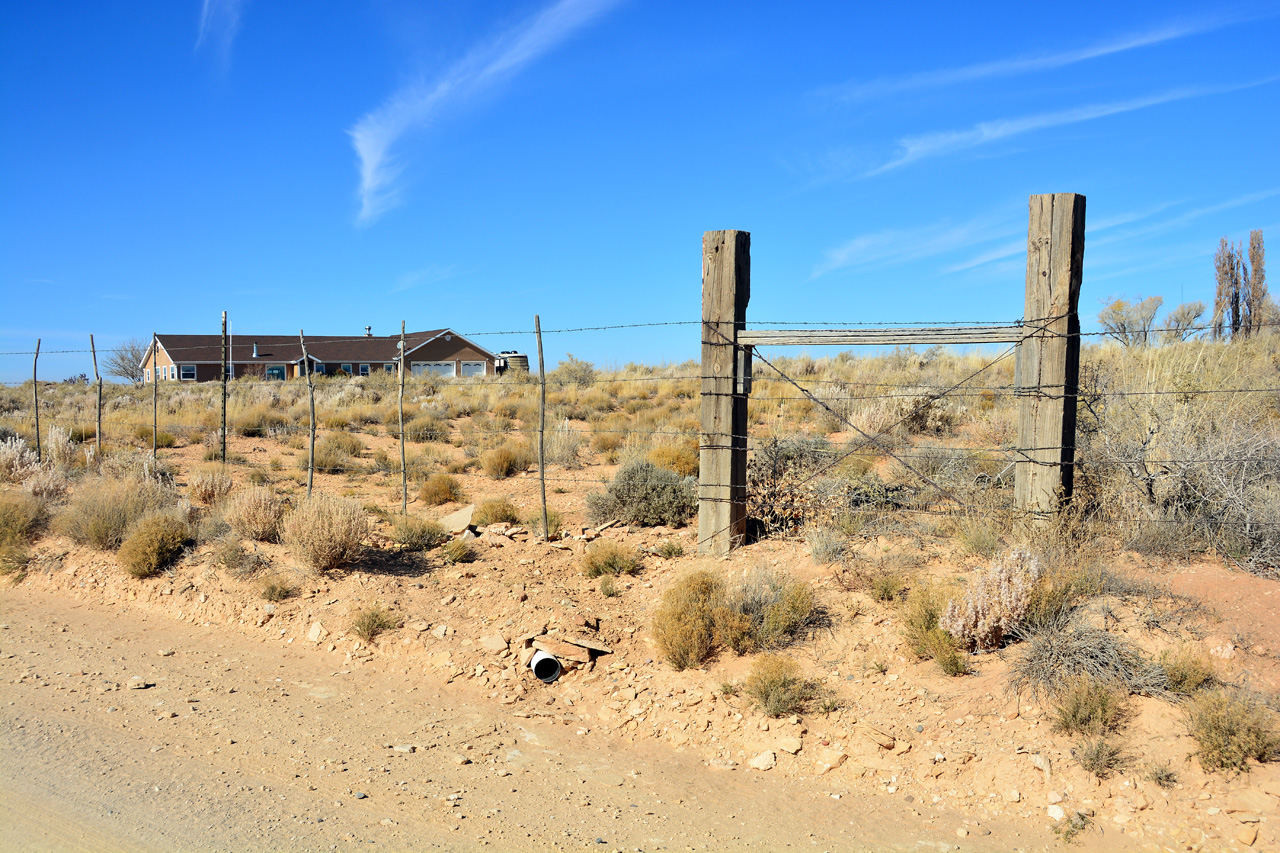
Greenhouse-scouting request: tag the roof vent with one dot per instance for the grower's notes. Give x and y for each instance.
(368, 331)
(255, 349)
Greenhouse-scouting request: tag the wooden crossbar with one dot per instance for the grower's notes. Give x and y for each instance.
(898, 336)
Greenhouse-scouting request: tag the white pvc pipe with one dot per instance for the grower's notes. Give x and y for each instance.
(544, 666)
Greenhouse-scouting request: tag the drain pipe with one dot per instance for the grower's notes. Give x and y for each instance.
(544, 666)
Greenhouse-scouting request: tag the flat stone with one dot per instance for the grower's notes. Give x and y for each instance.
(1247, 835)
(419, 626)
(1054, 797)
(494, 643)
(764, 761)
(456, 522)
(1013, 796)
(317, 633)
(561, 649)
(790, 744)
(829, 760)
(460, 759)
(404, 747)
(440, 631)
(137, 682)
(1057, 812)
(1251, 800)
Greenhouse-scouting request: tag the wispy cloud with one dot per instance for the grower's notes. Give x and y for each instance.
(896, 246)
(416, 105)
(939, 143)
(430, 274)
(219, 23)
(1187, 217)
(885, 86)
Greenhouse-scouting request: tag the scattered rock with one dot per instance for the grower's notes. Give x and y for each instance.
(361, 795)
(456, 522)
(1247, 835)
(460, 759)
(1054, 797)
(404, 747)
(164, 653)
(790, 744)
(137, 682)
(764, 761)
(440, 631)
(386, 821)
(494, 643)
(1057, 812)
(1013, 796)
(317, 633)
(1251, 800)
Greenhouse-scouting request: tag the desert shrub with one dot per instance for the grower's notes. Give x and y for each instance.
(274, 589)
(642, 493)
(440, 489)
(563, 446)
(369, 622)
(60, 450)
(81, 434)
(47, 484)
(555, 521)
(256, 422)
(153, 542)
(683, 626)
(920, 613)
(574, 371)
(780, 478)
(609, 586)
(418, 534)
(886, 586)
(776, 685)
(209, 487)
(996, 601)
(1087, 707)
(325, 532)
(1161, 773)
(978, 536)
(763, 610)
(670, 549)
(1051, 657)
(162, 439)
(495, 511)
(604, 440)
(1098, 756)
(14, 557)
(426, 428)
(17, 461)
(101, 512)
(609, 557)
(1230, 727)
(457, 551)
(1186, 670)
(238, 562)
(677, 458)
(255, 514)
(946, 653)
(336, 453)
(21, 517)
(506, 460)
(825, 545)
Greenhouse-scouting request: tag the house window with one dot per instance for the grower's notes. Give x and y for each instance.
(320, 369)
(187, 373)
(146, 374)
(364, 370)
(434, 368)
(389, 367)
(473, 368)
(275, 371)
(346, 368)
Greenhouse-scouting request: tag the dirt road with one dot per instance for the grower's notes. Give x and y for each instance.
(242, 745)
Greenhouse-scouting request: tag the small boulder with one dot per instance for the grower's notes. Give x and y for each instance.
(764, 761)
(456, 522)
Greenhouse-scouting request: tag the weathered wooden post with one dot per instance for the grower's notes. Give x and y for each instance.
(1049, 354)
(97, 380)
(722, 457)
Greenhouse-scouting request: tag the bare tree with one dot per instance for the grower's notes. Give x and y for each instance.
(1257, 303)
(125, 361)
(1130, 323)
(1180, 323)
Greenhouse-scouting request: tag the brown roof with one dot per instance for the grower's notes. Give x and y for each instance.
(329, 349)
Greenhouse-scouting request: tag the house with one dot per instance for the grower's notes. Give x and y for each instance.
(197, 358)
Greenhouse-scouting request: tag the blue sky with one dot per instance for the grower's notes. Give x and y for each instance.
(472, 164)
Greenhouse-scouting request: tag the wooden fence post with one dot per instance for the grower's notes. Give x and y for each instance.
(1049, 355)
(542, 428)
(224, 392)
(35, 398)
(155, 396)
(722, 456)
(311, 409)
(404, 470)
(97, 380)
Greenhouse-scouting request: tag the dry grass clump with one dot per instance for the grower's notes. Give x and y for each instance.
(683, 626)
(163, 439)
(563, 446)
(418, 534)
(440, 488)
(920, 614)
(369, 622)
(458, 551)
(1162, 774)
(826, 546)
(1054, 655)
(17, 461)
(1087, 707)
(101, 512)
(506, 460)
(555, 521)
(1187, 670)
(255, 514)
(154, 542)
(670, 549)
(996, 601)
(776, 685)
(21, 517)
(336, 453)
(256, 421)
(14, 558)
(677, 458)
(763, 610)
(642, 493)
(47, 484)
(238, 562)
(325, 532)
(609, 557)
(275, 589)
(495, 511)
(209, 487)
(1098, 756)
(424, 428)
(1230, 727)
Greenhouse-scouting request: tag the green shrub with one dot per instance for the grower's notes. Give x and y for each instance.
(642, 493)
(101, 512)
(1088, 707)
(153, 542)
(274, 589)
(1098, 756)
(238, 562)
(555, 521)
(762, 611)
(609, 557)
(418, 534)
(1187, 670)
(1229, 728)
(255, 514)
(325, 532)
(440, 489)
(21, 517)
(495, 511)
(683, 626)
(506, 460)
(370, 622)
(425, 428)
(946, 653)
(774, 682)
